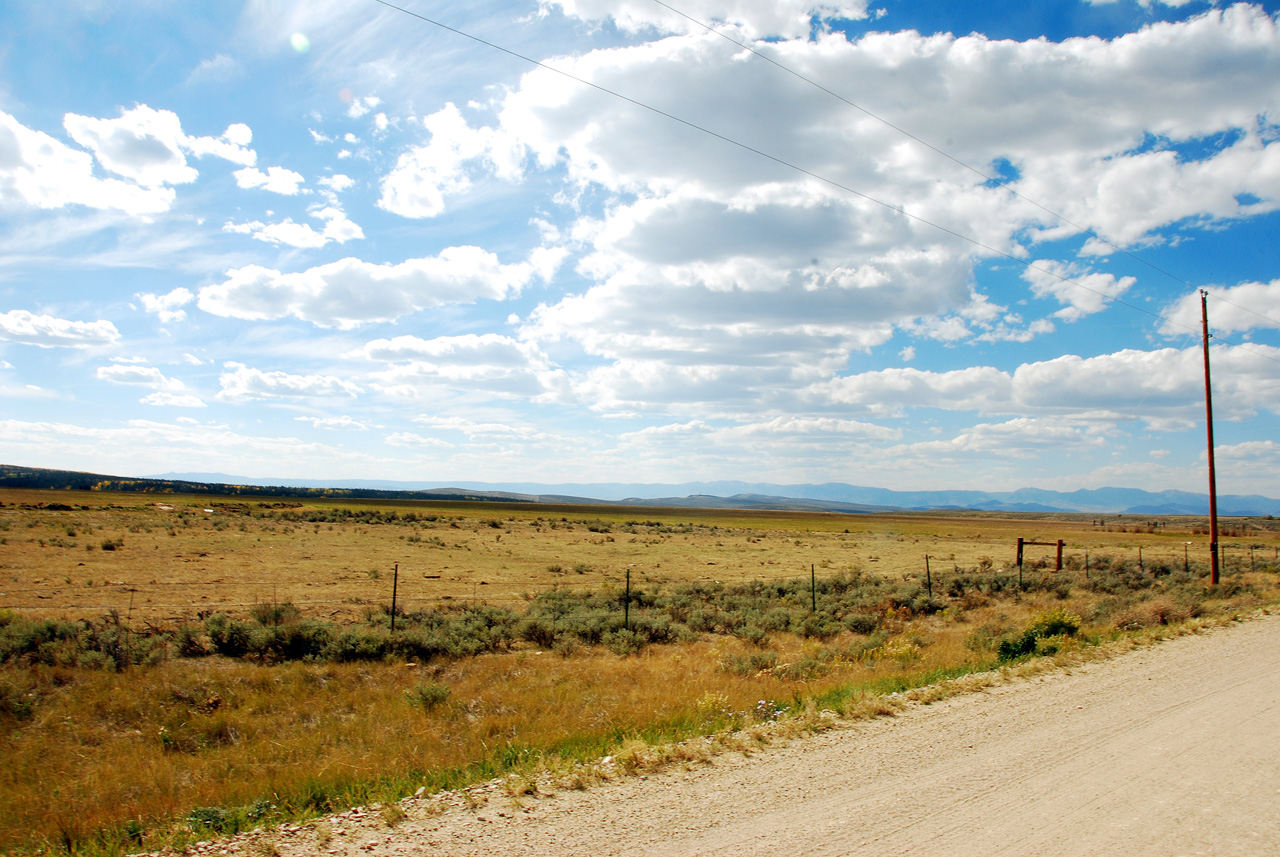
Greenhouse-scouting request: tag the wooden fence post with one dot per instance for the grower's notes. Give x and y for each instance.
(395, 584)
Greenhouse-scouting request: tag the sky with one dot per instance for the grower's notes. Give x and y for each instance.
(912, 245)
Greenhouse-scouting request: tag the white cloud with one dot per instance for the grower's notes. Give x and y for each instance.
(342, 423)
(361, 105)
(337, 228)
(1164, 387)
(351, 292)
(1082, 291)
(706, 251)
(146, 376)
(889, 392)
(242, 383)
(412, 439)
(143, 144)
(1247, 306)
(495, 364)
(337, 182)
(173, 400)
(169, 306)
(786, 18)
(169, 392)
(19, 325)
(219, 69)
(425, 175)
(275, 179)
(149, 147)
(145, 446)
(40, 171)
(146, 147)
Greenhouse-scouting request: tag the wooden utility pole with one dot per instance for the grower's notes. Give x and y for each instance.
(1208, 411)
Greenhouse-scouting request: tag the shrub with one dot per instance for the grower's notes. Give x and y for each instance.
(358, 644)
(275, 613)
(624, 642)
(1056, 623)
(229, 636)
(428, 695)
(16, 701)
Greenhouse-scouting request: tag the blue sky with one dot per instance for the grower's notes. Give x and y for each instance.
(330, 240)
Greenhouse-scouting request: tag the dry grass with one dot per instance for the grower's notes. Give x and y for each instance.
(97, 755)
(175, 560)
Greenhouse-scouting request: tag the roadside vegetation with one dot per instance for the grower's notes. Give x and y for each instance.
(121, 734)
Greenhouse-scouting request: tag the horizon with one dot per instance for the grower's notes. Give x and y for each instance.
(335, 238)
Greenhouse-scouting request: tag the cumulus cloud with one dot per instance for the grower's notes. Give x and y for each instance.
(351, 292)
(337, 182)
(144, 147)
(338, 228)
(413, 439)
(168, 392)
(1248, 306)
(41, 171)
(1083, 292)
(45, 331)
(148, 146)
(889, 392)
(242, 383)
(707, 251)
(146, 376)
(360, 105)
(1163, 388)
(495, 364)
(275, 179)
(425, 175)
(172, 400)
(342, 423)
(785, 19)
(1021, 438)
(168, 306)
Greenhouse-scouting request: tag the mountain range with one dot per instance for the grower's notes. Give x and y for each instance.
(836, 497)
(829, 496)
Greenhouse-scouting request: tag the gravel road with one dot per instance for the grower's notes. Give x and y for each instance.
(1167, 750)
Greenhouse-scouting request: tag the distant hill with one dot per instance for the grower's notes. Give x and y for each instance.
(836, 497)
(1111, 501)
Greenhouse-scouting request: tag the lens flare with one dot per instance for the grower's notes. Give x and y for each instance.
(300, 43)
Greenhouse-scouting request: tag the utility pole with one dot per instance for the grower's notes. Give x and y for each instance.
(1213, 479)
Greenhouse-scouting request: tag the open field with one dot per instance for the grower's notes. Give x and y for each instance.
(171, 558)
(231, 663)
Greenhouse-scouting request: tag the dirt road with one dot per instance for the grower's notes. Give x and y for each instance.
(1170, 750)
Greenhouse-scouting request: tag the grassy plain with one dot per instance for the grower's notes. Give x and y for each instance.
(174, 557)
(101, 757)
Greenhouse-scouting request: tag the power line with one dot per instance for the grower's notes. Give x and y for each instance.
(995, 180)
(835, 184)
(778, 160)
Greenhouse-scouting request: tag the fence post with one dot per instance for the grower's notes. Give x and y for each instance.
(928, 578)
(626, 605)
(395, 584)
(813, 588)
